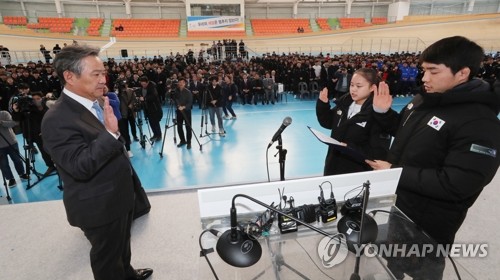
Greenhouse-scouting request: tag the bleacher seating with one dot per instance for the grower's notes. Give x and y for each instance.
(55, 25)
(14, 20)
(323, 24)
(379, 20)
(146, 27)
(346, 23)
(95, 26)
(263, 27)
(218, 33)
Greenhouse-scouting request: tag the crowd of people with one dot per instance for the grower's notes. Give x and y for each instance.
(445, 138)
(229, 47)
(253, 81)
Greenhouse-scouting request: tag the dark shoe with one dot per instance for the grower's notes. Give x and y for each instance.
(152, 139)
(182, 143)
(136, 139)
(142, 274)
(49, 171)
(189, 146)
(12, 183)
(24, 176)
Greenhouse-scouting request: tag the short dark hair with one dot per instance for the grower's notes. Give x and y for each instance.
(143, 79)
(36, 93)
(70, 59)
(23, 86)
(455, 52)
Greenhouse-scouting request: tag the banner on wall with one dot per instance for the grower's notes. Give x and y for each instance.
(213, 23)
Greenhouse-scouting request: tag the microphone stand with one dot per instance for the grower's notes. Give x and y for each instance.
(366, 187)
(281, 158)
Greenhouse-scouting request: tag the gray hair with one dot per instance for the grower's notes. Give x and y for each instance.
(70, 59)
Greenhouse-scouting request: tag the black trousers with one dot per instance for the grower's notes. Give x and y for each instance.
(408, 236)
(131, 121)
(123, 127)
(37, 139)
(155, 127)
(110, 253)
(184, 117)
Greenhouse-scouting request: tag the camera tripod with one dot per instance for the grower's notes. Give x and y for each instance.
(204, 116)
(29, 162)
(6, 188)
(139, 122)
(29, 155)
(170, 117)
(171, 111)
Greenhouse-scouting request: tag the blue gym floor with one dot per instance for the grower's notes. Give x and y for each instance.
(237, 158)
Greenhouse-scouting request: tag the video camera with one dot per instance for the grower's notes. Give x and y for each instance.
(172, 85)
(24, 102)
(120, 85)
(138, 105)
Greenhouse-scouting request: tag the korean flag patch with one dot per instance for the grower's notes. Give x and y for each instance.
(436, 123)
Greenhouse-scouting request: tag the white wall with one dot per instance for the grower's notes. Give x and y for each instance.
(277, 9)
(208, 2)
(398, 10)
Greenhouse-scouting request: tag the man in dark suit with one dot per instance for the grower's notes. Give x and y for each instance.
(152, 106)
(183, 99)
(196, 87)
(245, 88)
(84, 142)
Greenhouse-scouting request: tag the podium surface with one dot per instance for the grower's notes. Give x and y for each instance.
(38, 243)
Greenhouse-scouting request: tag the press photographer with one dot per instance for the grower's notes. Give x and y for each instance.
(29, 110)
(183, 100)
(171, 85)
(152, 106)
(9, 149)
(127, 101)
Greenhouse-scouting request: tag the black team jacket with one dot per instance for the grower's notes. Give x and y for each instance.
(447, 144)
(363, 133)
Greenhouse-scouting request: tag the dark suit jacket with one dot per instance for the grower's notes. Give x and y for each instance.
(199, 87)
(152, 103)
(245, 85)
(93, 165)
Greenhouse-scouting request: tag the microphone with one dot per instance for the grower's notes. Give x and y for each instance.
(286, 122)
(238, 249)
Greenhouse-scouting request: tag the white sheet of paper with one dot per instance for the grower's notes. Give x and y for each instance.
(323, 138)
